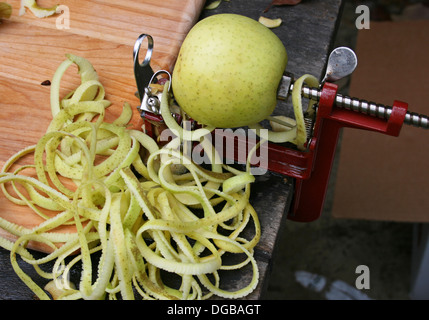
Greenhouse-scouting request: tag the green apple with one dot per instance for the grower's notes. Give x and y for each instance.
(228, 71)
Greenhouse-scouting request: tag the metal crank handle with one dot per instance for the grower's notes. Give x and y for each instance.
(354, 104)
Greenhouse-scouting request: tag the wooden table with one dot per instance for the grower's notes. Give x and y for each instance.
(308, 30)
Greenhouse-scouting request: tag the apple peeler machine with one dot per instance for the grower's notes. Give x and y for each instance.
(310, 167)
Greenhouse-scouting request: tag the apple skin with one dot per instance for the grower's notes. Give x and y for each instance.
(228, 70)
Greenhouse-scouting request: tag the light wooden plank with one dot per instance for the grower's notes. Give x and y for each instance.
(104, 32)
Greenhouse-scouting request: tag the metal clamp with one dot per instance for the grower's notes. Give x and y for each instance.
(151, 102)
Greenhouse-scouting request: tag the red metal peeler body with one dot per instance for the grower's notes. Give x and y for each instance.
(310, 191)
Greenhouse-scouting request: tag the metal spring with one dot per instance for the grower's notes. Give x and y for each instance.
(309, 124)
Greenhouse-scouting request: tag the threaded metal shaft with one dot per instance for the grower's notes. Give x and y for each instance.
(417, 120)
(362, 106)
(370, 108)
(379, 110)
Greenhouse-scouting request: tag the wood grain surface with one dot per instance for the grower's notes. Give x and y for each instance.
(104, 32)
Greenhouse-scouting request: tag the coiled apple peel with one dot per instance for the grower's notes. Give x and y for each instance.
(298, 133)
(142, 220)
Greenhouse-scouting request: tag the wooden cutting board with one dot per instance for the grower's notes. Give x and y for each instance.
(104, 32)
